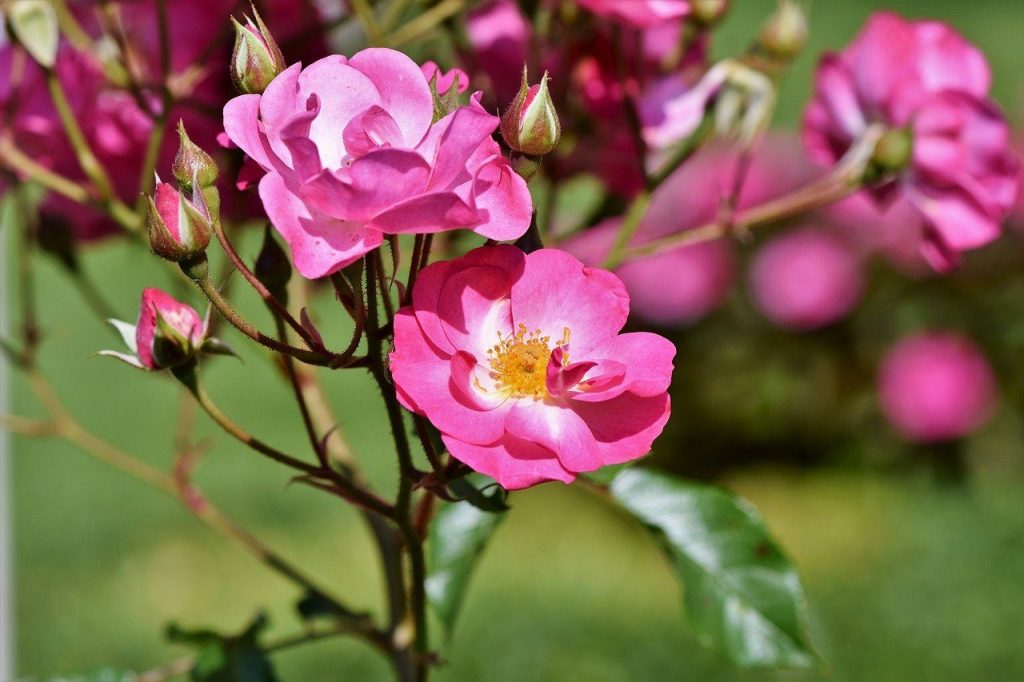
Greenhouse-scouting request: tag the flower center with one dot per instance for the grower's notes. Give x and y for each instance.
(520, 362)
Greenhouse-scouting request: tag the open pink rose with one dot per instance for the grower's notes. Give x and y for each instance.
(351, 153)
(517, 359)
(936, 386)
(644, 13)
(924, 78)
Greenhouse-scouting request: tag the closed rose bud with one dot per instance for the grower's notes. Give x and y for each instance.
(178, 228)
(256, 59)
(530, 124)
(191, 162)
(708, 12)
(167, 334)
(784, 33)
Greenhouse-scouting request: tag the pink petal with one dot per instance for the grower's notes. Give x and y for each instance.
(425, 214)
(241, 123)
(344, 92)
(320, 244)
(474, 309)
(558, 428)
(514, 463)
(502, 200)
(647, 359)
(557, 292)
(379, 181)
(625, 427)
(402, 90)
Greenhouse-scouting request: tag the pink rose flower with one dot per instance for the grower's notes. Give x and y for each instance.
(924, 78)
(517, 359)
(351, 153)
(806, 279)
(936, 386)
(643, 13)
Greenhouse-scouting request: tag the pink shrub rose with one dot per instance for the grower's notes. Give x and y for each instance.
(351, 153)
(517, 359)
(806, 279)
(936, 386)
(643, 13)
(923, 78)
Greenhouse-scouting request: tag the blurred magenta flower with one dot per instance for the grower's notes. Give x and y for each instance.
(500, 37)
(682, 285)
(948, 142)
(351, 153)
(642, 13)
(806, 279)
(936, 386)
(517, 359)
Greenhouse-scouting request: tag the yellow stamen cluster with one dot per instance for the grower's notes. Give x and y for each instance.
(519, 362)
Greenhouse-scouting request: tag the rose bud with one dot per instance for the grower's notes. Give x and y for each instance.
(178, 228)
(707, 13)
(168, 333)
(191, 162)
(784, 33)
(256, 59)
(530, 124)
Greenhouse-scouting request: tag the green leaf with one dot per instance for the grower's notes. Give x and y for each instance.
(221, 658)
(457, 539)
(742, 594)
(34, 24)
(480, 491)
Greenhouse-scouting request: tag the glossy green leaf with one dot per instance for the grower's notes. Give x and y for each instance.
(34, 24)
(481, 492)
(221, 658)
(742, 594)
(458, 536)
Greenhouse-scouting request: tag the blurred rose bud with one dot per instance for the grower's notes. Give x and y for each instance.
(178, 228)
(784, 33)
(707, 13)
(192, 162)
(167, 334)
(936, 387)
(806, 279)
(256, 59)
(530, 124)
(273, 269)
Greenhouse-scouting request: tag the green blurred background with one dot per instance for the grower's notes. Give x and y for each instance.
(910, 576)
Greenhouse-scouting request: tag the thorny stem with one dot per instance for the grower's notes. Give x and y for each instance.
(403, 507)
(420, 258)
(311, 357)
(275, 305)
(300, 398)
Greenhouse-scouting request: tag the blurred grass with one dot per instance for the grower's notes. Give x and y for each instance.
(908, 579)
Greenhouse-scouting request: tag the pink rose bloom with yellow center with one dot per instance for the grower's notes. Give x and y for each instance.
(352, 152)
(517, 359)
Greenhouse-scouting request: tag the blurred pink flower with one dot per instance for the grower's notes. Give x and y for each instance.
(806, 279)
(517, 359)
(936, 386)
(351, 153)
(642, 13)
(500, 36)
(681, 285)
(922, 77)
